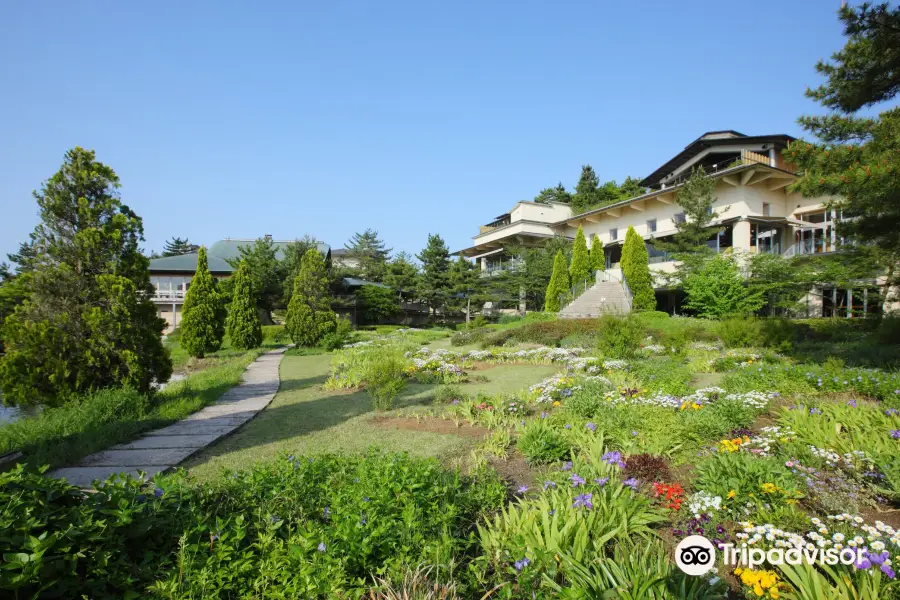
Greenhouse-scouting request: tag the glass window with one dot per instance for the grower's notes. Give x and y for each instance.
(767, 209)
(679, 218)
(651, 225)
(613, 234)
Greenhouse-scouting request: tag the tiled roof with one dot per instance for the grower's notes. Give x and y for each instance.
(217, 256)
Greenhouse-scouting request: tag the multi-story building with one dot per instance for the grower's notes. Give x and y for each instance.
(755, 211)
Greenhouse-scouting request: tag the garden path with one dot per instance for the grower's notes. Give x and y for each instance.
(162, 449)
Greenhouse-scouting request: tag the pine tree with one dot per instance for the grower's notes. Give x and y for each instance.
(402, 274)
(202, 321)
(244, 329)
(598, 259)
(580, 269)
(289, 266)
(434, 281)
(586, 194)
(636, 268)
(369, 252)
(559, 284)
(309, 315)
(177, 246)
(466, 285)
(83, 319)
(266, 272)
(554, 194)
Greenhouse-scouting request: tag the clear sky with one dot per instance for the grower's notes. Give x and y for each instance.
(238, 119)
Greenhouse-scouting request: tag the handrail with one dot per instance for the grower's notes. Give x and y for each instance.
(605, 276)
(601, 276)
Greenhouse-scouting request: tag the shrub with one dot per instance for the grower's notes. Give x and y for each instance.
(716, 289)
(580, 268)
(619, 337)
(647, 468)
(377, 303)
(309, 316)
(559, 284)
(546, 333)
(541, 443)
(739, 332)
(468, 336)
(446, 394)
(244, 329)
(336, 339)
(203, 319)
(636, 268)
(384, 378)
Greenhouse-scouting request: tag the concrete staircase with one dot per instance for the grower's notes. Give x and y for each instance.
(605, 297)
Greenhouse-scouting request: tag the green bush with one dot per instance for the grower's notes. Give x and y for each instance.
(636, 268)
(541, 443)
(203, 317)
(309, 315)
(306, 528)
(468, 336)
(384, 377)
(446, 394)
(740, 332)
(619, 337)
(244, 328)
(342, 334)
(546, 333)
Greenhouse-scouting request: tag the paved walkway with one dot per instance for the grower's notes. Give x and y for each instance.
(162, 449)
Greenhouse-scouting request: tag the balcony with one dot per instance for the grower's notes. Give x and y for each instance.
(499, 268)
(168, 296)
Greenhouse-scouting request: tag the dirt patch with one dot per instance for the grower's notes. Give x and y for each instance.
(432, 425)
(514, 469)
(705, 380)
(885, 514)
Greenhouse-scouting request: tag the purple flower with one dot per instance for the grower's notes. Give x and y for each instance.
(878, 559)
(895, 434)
(567, 466)
(521, 564)
(862, 563)
(326, 512)
(614, 458)
(583, 501)
(576, 480)
(291, 458)
(549, 484)
(568, 426)
(366, 499)
(322, 547)
(523, 489)
(456, 401)
(891, 412)
(815, 411)
(631, 482)
(158, 492)
(601, 481)
(551, 512)
(543, 415)
(887, 570)
(852, 403)
(591, 426)
(363, 519)
(634, 433)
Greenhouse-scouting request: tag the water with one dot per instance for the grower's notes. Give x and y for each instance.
(9, 414)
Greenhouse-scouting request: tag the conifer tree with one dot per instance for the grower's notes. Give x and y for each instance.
(244, 328)
(559, 283)
(309, 315)
(636, 268)
(580, 269)
(434, 281)
(598, 259)
(177, 246)
(83, 319)
(203, 318)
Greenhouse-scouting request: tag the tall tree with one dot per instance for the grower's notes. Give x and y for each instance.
(266, 273)
(375, 304)
(580, 269)
(370, 253)
(203, 318)
(533, 271)
(554, 194)
(598, 259)
(855, 161)
(466, 285)
(636, 268)
(402, 274)
(559, 284)
(717, 289)
(244, 328)
(631, 188)
(434, 281)
(586, 190)
(177, 246)
(309, 315)
(87, 321)
(289, 266)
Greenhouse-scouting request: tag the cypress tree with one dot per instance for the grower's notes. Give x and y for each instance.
(244, 328)
(580, 269)
(309, 315)
(202, 322)
(598, 259)
(636, 268)
(559, 283)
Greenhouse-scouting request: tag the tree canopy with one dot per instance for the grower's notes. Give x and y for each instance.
(178, 246)
(370, 253)
(244, 328)
(434, 281)
(636, 268)
(309, 316)
(203, 317)
(402, 273)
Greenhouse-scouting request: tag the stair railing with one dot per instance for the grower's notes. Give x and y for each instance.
(575, 291)
(606, 276)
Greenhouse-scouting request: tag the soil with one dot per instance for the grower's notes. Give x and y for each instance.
(432, 425)
(514, 470)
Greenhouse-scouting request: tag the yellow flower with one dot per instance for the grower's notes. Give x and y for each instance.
(732, 494)
(769, 488)
(773, 593)
(738, 571)
(556, 403)
(758, 590)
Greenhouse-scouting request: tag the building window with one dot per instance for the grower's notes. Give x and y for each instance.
(767, 209)
(651, 225)
(679, 218)
(613, 234)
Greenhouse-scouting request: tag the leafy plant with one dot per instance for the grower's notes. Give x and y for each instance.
(384, 378)
(619, 337)
(541, 443)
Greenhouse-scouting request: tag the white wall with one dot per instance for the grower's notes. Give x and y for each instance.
(544, 213)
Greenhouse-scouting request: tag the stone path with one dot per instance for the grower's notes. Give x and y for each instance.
(162, 449)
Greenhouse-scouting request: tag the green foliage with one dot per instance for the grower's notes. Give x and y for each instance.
(747, 476)
(203, 319)
(384, 377)
(343, 332)
(541, 443)
(309, 315)
(368, 250)
(376, 304)
(244, 329)
(310, 528)
(544, 332)
(689, 244)
(434, 281)
(177, 246)
(267, 278)
(619, 337)
(636, 268)
(466, 285)
(580, 269)
(402, 273)
(289, 267)
(83, 319)
(716, 289)
(532, 275)
(597, 258)
(559, 284)
(554, 194)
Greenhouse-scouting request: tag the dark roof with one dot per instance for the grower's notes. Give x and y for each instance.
(339, 252)
(354, 282)
(708, 140)
(217, 257)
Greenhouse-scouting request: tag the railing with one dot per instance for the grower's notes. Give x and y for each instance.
(168, 295)
(806, 247)
(600, 277)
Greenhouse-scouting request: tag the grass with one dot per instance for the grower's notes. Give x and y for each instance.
(273, 337)
(62, 436)
(304, 419)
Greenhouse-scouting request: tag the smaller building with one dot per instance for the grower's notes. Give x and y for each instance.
(171, 275)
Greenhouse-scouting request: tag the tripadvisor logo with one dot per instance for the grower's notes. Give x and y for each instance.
(696, 555)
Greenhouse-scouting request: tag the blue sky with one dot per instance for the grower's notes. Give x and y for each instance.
(238, 119)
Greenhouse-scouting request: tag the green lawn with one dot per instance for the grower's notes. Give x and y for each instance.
(306, 419)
